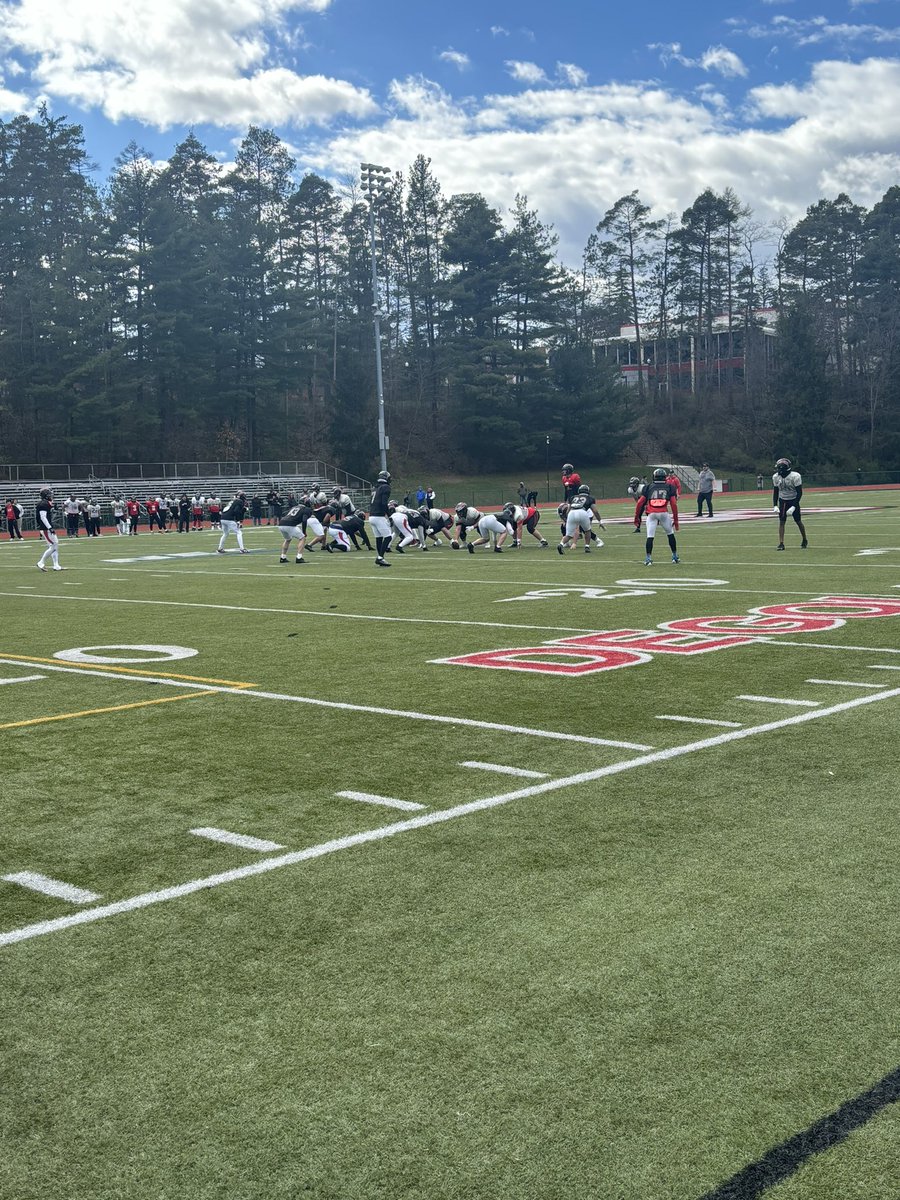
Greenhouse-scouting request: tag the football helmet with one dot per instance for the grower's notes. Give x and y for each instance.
(336, 492)
(633, 481)
(392, 506)
(423, 510)
(45, 493)
(584, 490)
(659, 475)
(461, 507)
(568, 468)
(359, 513)
(783, 466)
(384, 477)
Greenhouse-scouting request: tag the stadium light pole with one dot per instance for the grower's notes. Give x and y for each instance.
(375, 183)
(547, 465)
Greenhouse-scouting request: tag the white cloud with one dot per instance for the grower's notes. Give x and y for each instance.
(815, 31)
(715, 58)
(524, 72)
(176, 61)
(499, 31)
(569, 73)
(456, 58)
(13, 103)
(575, 151)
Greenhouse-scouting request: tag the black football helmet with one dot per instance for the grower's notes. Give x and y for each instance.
(423, 510)
(659, 475)
(336, 492)
(584, 490)
(633, 481)
(45, 493)
(384, 477)
(568, 468)
(783, 467)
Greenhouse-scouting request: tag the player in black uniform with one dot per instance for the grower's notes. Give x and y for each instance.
(355, 527)
(230, 518)
(660, 501)
(43, 513)
(293, 525)
(379, 517)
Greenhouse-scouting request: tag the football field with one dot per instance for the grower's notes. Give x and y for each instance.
(485, 877)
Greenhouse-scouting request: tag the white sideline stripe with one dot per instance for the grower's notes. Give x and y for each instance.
(52, 887)
(845, 683)
(261, 866)
(878, 667)
(387, 801)
(237, 839)
(469, 722)
(483, 766)
(22, 679)
(700, 721)
(779, 700)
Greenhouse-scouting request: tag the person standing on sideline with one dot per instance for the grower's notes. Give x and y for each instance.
(93, 516)
(430, 496)
(256, 509)
(43, 513)
(134, 515)
(658, 498)
(380, 517)
(672, 478)
(70, 508)
(154, 517)
(119, 516)
(787, 488)
(13, 516)
(522, 493)
(230, 519)
(705, 490)
(184, 513)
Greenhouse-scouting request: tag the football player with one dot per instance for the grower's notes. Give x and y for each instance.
(379, 516)
(660, 500)
(492, 523)
(787, 488)
(571, 481)
(43, 513)
(229, 520)
(293, 525)
(582, 507)
(466, 518)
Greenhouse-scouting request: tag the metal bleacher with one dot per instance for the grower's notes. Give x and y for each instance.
(24, 484)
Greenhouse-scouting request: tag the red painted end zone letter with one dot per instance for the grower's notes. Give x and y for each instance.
(534, 658)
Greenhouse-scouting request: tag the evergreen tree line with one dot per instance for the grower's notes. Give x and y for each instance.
(188, 312)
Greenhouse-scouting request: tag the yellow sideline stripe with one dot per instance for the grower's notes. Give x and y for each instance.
(62, 662)
(92, 712)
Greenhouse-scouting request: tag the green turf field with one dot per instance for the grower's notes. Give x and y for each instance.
(471, 934)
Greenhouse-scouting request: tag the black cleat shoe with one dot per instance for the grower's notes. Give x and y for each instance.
(379, 562)
(470, 547)
(282, 559)
(299, 559)
(780, 546)
(804, 544)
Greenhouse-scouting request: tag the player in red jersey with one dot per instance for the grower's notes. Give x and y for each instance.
(660, 501)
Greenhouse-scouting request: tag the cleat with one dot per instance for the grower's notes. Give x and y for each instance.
(560, 549)
(329, 547)
(218, 551)
(675, 558)
(587, 549)
(59, 568)
(470, 547)
(804, 544)
(40, 566)
(379, 562)
(298, 559)
(544, 544)
(648, 561)
(245, 552)
(497, 550)
(780, 546)
(282, 559)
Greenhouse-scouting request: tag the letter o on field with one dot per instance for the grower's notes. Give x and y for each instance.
(130, 654)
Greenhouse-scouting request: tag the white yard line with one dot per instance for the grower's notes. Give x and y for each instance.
(845, 683)
(385, 801)
(699, 721)
(431, 718)
(237, 839)
(292, 858)
(308, 612)
(879, 667)
(500, 770)
(51, 887)
(22, 679)
(780, 700)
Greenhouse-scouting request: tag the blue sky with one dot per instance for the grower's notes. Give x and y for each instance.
(572, 104)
